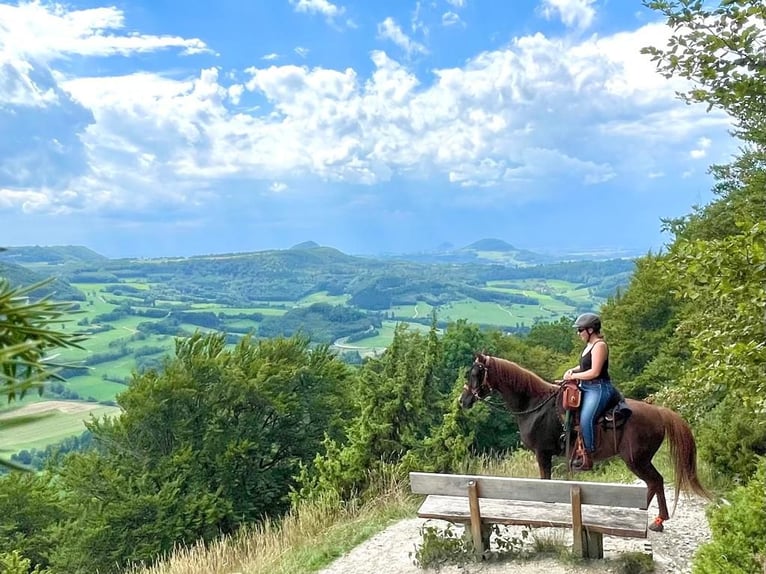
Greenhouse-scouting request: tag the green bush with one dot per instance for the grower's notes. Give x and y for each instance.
(15, 563)
(729, 439)
(739, 531)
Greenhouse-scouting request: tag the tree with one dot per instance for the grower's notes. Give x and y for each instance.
(30, 509)
(27, 334)
(207, 444)
(29, 331)
(716, 266)
(721, 50)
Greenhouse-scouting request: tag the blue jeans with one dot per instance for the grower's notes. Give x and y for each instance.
(595, 396)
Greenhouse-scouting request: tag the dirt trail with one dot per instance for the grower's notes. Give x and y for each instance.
(392, 551)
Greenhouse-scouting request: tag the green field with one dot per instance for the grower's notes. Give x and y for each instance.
(374, 346)
(323, 297)
(192, 286)
(58, 420)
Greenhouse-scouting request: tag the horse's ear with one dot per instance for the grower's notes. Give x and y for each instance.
(478, 357)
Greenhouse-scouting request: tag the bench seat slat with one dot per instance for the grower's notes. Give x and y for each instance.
(613, 521)
(604, 494)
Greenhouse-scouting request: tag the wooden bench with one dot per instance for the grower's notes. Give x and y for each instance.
(591, 509)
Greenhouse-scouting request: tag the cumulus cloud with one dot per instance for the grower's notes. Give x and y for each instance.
(388, 29)
(540, 108)
(59, 32)
(323, 7)
(573, 13)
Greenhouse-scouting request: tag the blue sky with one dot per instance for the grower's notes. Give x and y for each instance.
(169, 127)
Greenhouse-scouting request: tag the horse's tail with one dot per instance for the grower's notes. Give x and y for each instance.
(683, 452)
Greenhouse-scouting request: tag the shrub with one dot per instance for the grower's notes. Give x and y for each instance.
(739, 531)
(731, 439)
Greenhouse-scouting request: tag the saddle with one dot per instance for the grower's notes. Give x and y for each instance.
(614, 415)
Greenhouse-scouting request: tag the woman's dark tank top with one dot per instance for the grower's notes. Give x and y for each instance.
(586, 361)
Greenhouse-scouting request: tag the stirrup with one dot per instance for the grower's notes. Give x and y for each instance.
(584, 462)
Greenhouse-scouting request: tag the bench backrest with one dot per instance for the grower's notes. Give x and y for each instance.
(530, 489)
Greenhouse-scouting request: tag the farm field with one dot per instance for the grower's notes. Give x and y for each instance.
(58, 420)
(135, 309)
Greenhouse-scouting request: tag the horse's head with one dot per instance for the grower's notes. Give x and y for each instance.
(477, 386)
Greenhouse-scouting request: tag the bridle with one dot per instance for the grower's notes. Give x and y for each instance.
(485, 384)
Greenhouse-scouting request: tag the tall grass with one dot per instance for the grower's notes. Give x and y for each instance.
(305, 540)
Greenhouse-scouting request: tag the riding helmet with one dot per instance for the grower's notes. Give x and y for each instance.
(588, 320)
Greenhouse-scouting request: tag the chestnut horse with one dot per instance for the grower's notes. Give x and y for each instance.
(536, 404)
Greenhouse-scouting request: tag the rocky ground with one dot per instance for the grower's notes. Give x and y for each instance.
(391, 551)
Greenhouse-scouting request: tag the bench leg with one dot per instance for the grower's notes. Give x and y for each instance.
(592, 544)
(476, 529)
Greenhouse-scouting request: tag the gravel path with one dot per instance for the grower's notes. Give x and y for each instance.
(390, 551)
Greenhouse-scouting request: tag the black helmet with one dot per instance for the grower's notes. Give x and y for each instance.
(588, 320)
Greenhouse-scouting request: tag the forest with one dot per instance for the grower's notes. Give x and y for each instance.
(222, 437)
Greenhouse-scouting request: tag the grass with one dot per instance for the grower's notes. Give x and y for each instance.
(376, 345)
(94, 385)
(305, 541)
(323, 297)
(51, 427)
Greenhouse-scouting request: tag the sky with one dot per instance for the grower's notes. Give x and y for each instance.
(146, 128)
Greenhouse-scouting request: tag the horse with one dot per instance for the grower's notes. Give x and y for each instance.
(538, 410)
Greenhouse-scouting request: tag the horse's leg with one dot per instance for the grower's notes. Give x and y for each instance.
(544, 463)
(655, 485)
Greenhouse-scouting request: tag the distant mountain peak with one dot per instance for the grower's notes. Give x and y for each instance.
(490, 245)
(306, 245)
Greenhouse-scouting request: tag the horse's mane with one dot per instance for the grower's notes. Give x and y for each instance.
(518, 378)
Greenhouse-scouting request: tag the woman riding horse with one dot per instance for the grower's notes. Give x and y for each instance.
(596, 386)
(536, 405)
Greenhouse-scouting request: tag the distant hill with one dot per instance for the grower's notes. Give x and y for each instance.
(306, 245)
(489, 245)
(485, 251)
(58, 289)
(51, 255)
(288, 275)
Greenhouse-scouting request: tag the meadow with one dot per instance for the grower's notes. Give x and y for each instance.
(134, 310)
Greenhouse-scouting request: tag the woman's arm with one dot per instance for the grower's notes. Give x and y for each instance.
(569, 372)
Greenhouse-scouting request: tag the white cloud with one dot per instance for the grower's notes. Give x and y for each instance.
(278, 187)
(701, 150)
(456, 3)
(34, 35)
(450, 19)
(58, 33)
(573, 13)
(417, 25)
(317, 7)
(388, 29)
(540, 109)
(301, 51)
(270, 57)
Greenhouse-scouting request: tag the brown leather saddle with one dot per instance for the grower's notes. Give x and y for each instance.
(614, 415)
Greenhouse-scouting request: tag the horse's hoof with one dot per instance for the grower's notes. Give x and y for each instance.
(657, 525)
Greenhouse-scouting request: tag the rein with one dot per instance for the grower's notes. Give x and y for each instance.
(485, 382)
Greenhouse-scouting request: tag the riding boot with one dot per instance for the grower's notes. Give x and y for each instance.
(583, 462)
